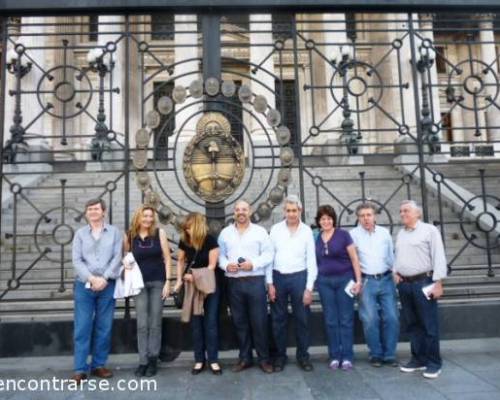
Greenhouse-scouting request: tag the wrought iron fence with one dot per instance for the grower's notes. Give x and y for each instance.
(340, 108)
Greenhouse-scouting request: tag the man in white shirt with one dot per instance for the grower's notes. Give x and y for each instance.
(292, 277)
(245, 254)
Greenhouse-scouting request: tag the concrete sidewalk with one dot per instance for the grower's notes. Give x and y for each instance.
(471, 371)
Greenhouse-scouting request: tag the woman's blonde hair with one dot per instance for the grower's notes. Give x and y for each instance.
(200, 230)
(135, 225)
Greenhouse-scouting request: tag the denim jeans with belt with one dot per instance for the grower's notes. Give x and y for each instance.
(379, 313)
(149, 312)
(248, 302)
(338, 313)
(420, 317)
(290, 286)
(93, 323)
(205, 330)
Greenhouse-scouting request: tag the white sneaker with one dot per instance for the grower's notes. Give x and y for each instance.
(431, 374)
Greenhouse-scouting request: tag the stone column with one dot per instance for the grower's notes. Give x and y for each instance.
(334, 34)
(186, 47)
(489, 56)
(261, 45)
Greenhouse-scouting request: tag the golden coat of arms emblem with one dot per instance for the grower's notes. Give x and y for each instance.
(213, 162)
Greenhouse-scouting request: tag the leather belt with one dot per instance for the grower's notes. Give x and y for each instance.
(416, 278)
(377, 276)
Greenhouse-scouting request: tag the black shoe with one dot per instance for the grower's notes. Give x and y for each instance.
(306, 365)
(140, 371)
(391, 363)
(266, 367)
(196, 371)
(217, 370)
(152, 367)
(375, 362)
(242, 365)
(278, 366)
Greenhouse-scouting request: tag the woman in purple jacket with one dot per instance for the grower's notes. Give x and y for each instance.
(338, 264)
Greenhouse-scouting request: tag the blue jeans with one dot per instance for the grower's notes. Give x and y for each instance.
(205, 330)
(338, 312)
(290, 286)
(379, 314)
(421, 320)
(248, 302)
(93, 322)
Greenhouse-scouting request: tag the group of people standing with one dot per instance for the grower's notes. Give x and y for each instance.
(282, 267)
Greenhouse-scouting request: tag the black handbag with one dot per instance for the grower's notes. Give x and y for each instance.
(179, 295)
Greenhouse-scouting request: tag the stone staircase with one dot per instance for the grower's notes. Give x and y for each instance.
(45, 291)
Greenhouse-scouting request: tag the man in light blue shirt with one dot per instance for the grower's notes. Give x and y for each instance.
(292, 277)
(97, 254)
(245, 252)
(378, 304)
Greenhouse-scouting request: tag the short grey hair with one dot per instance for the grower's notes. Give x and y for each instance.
(293, 199)
(413, 204)
(366, 205)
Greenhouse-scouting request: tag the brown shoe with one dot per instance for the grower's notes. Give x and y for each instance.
(102, 372)
(266, 367)
(241, 366)
(77, 378)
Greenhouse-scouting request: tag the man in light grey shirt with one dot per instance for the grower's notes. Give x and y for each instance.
(97, 254)
(420, 264)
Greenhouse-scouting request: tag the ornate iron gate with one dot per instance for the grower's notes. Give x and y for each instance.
(339, 108)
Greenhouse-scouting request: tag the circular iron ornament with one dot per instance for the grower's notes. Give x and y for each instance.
(152, 198)
(397, 43)
(64, 92)
(314, 131)
(287, 156)
(485, 222)
(165, 214)
(212, 86)
(279, 45)
(111, 47)
(143, 47)
(16, 188)
(111, 135)
(276, 195)
(260, 104)
(142, 138)
(214, 163)
(143, 180)
(52, 231)
(63, 234)
(111, 186)
(165, 105)
(438, 177)
(273, 117)
(472, 85)
(140, 159)
(212, 155)
(283, 135)
(284, 177)
(245, 94)
(310, 44)
(404, 129)
(153, 120)
(228, 88)
(317, 181)
(351, 207)
(196, 89)
(264, 210)
(179, 94)
(357, 86)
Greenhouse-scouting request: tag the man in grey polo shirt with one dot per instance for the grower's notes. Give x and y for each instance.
(420, 264)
